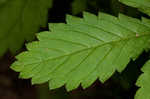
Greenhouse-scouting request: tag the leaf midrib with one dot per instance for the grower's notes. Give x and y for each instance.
(111, 42)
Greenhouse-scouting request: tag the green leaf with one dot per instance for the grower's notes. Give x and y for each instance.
(79, 6)
(83, 50)
(143, 83)
(142, 5)
(19, 20)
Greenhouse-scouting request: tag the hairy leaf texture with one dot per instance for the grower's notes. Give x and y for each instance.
(143, 82)
(142, 5)
(19, 20)
(83, 50)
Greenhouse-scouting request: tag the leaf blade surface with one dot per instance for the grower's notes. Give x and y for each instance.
(83, 50)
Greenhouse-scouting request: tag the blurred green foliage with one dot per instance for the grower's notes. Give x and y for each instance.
(20, 20)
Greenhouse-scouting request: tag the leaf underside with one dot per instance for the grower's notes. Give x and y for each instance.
(83, 50)
(143, 82)
(142, 5)
(19, 20)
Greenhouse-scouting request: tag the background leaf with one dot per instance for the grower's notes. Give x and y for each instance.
(78, 6)
(143, 83)
(142, 5)
(19, 20)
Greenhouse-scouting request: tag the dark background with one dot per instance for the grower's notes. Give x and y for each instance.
(119, 86)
